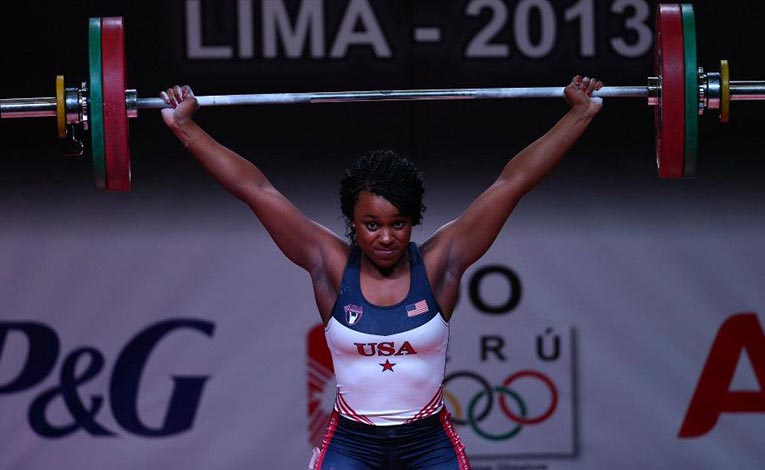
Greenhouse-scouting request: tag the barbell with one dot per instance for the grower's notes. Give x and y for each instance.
(679, 90)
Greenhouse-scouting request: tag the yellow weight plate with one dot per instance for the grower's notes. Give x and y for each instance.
(60, 107)
(725, 88)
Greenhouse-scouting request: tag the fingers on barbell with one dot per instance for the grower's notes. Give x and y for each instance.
(589, 84)
(164, 96)
(595, 84)
(586, 84)
(169, 97)
(176, 95)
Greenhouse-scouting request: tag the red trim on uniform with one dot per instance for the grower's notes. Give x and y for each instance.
(459, 447)
(333, 421)
(344, 408)
(435, 404)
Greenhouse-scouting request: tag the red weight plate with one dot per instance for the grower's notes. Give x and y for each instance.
(115, 112)
(669, 64)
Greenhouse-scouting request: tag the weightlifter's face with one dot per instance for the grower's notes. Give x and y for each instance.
(382, 233)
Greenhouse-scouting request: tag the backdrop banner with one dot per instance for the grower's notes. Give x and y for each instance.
(635, 343)
(616, 323)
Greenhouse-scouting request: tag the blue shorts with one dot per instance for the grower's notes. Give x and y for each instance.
(426, 444)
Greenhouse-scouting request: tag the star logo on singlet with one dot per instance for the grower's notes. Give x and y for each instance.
(387, 366)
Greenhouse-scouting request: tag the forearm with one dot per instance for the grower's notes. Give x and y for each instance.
(538, 159)
(235, 173)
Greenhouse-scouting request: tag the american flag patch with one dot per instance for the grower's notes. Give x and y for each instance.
(416, 308)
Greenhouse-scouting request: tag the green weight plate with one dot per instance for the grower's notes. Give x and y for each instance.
(96, 104)
(691, 91)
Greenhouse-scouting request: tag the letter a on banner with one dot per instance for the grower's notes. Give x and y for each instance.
(739, 333)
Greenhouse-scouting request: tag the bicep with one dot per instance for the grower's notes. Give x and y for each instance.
(465, 239)
(304, 241)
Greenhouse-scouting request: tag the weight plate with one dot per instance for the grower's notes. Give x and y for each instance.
(96, 105)
(60, 107)
(725, 91)
(669, 64)
(691, 91)
(115, 111)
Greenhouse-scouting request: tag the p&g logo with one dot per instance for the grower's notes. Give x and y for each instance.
(85, 363)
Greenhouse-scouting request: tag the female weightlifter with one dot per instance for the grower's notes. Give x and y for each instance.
(378, 290)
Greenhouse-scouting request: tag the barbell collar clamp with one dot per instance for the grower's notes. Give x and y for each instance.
(653, 91)
(710, 90)
(82, 96)
(131, 103)
(72, 105)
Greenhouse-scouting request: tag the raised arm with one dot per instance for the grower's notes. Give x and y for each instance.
(458, 244)
(305, 242)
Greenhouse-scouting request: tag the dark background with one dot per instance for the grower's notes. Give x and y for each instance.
(300, 144)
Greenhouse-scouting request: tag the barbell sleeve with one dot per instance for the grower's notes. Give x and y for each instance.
(28, 107)
(747, 91)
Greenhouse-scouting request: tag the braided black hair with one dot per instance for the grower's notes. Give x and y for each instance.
(386, 174)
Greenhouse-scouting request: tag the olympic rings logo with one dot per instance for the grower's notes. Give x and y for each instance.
(474, 414)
